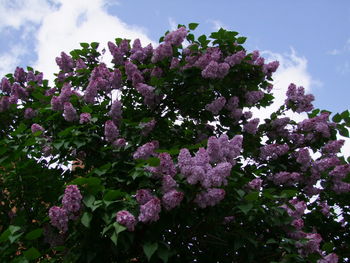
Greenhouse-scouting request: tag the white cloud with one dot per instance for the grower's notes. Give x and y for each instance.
(11, 59)
(172, 23)
(216, 24)
(17, 13)
(338, 51)
(79, 21)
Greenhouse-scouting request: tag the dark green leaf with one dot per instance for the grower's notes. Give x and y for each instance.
(149, 249)
(192, 26)
(252, 196)
(84, 45)
(34, 234)
(31, 253)
(246, 207)
(86, 219)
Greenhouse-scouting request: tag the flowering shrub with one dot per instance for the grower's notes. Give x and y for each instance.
(173, 165)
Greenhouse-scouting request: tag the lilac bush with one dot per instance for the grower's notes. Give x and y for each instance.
(158, 155)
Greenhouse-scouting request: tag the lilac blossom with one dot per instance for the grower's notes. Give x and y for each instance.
(232, 103)
(235, 58)
(116, 111)
(175, 63)
(303, 158)
(273, 151)
(126, 219)
(330, 258)
(115, 79)
(223, 149)
(176, 37)
(312, 245)
(18, 91)
(71, 200)
(333, 147)
(161, 52)
(59, 218)
(215, 70)
(143, 196)
(318, 124)
(85, 118)
(80, 64)
(36, 127)
(149, 212)
(298, 223)
(150, 99)
(172, 199)
(116, 52)
(216, 176)
(4, 103)
(216, 105)
(56, 103)
(119, 143)
(29, 113)
(252, 97)
(20, 75)
(157, 72)
(299, 208)
(65, 62)
(69, 112)
(147, 127)
(297, 98)
(111, 131)
(168, 183)
(5, 85)
(251, 126)
(268, 69)
(325, 209)
(285, 178)
(255, 184)
(210, 197)
(145, 151)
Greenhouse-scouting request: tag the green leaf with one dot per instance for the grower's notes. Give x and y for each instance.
(153, 161)
(13, 238)
(86, 219)
(86, 109)
(118, 228)
(34, 234)
(149, 249)
(253, 196)
(89, 200)
(66, 132)
(192, 26)
(246, 208)
(94, 45)
(14, 229)
(164, 254)
(112, 195)
(31, 253)
(114, 238)
(4, 235)
(241, 40)
(328, 247)
(84, 45)
(337, 118)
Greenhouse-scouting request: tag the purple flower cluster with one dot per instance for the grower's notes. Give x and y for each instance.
(168, 183)
(71, 204)
(85, 118)
(278, 127)
(139, 53)
(29, 113)
(333, 147)
(252, 97)
(286, 178)
(224, 150)
(166, 166)
(71, 200)
(59, 218)
(111, 131)
(270, 68)
(119, 143)
(20, 75)
(69, 112)
(65, 62)
(126, 219)
(147, 127)
(255, 184)
(338, 174)
(36, 127)
(176, 37)
(235, 58)
(143, 196)
(216, 105)
(145, 151)
(57, 102)
(330, 258)
(163, 51)
(149, 212)
(299, 208)
(251, 126)
(297, 99)
(215, 70)
(150, 99)
(311, 246)
(303, 157)
(317, 125)
(117, 53)
(172, 199)
(209, 197)
(116, 111)
(273, 151)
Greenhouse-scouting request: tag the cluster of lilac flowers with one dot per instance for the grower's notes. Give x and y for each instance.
(69, 112)
(319, 125)
(147, 127)
(139, 53)
(85, 118)
(150, 99)
(36, 127)
(111, 131)
(65, 62)
(126, 219)
(333, 147)
(116, 111)
(57, 102)
(166, 165)
(71, 205)
(252, 97)
(176, 37)
(216, 105)
(338, 174)
(255, 184)
(273, 151)
(235, 58)
(297, 99)
(209, 197)
(251, 126)
(286, 178)
(216, 70)
(223, 149)
(145, 151)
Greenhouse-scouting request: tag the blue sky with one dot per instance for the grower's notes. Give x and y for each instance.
(310, 38)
